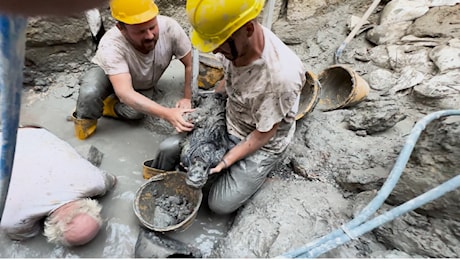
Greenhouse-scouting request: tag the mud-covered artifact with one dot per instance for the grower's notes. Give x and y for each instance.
(206, 145)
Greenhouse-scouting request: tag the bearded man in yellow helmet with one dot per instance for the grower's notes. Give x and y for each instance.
(263, 80)
(130, 59)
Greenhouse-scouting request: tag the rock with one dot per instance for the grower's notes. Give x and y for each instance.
(414, 57)
(422, 41)
(392, 254)
(443, 2)
(303, 9)
(446, 57)
(416, 234)
(446, 85)
(45, 31)
(362, 180)
(285, 31)
(438, 22)
(380, 57)
(403, 10)
(387, 33)
(152, 244)
(375, 117)
(91, 153)
(409, 77)
(381, 79)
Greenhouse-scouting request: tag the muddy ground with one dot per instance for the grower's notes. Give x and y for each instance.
(338, 161)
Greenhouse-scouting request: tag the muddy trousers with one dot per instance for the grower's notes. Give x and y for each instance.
(231, 188)
(95, 86)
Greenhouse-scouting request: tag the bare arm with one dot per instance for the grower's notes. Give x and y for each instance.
(127, 95)
(252, 143)
(48, 7)
(186, 101)
(221, 86)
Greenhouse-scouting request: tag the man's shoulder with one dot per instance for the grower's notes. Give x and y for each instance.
(168, 22)
(113, 34)
(112, 42)
(279, 57)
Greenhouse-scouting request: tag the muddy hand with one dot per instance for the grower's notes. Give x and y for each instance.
(176, 119)
(184, 103)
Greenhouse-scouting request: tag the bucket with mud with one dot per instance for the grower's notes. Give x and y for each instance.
(309, 95)
(341, 87)
(166, 203)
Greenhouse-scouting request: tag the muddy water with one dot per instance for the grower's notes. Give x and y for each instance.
(125, 147)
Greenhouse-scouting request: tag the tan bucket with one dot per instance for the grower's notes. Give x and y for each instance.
(210, 71)
(148, 171)
(341, 87)
(170, 184)
(309, 95)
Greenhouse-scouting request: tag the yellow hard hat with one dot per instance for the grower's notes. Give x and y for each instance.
(214, 21)
(133, 11)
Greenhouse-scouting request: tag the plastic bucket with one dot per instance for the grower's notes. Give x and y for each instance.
(341, 87)
(168, 184)
(309, 95)
(149, 172)
(210, 71)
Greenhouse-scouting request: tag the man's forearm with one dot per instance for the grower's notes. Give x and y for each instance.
(188, 82)
(187, 61)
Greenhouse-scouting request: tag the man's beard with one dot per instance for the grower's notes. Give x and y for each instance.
(149, 44)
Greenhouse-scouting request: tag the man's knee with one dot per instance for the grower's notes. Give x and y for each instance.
(94, 87)
(94, 83)
(226, 197)
(171, 144)
(94, 76)
(222, 207)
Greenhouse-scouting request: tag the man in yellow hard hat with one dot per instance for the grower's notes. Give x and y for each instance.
(263, 80)
(130, 59)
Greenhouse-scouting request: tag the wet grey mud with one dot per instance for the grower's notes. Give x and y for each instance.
(169, 210)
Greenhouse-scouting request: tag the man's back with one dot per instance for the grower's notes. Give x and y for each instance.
(47, 173)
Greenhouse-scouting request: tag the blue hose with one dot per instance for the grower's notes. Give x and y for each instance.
(12, 44)
(356, 226)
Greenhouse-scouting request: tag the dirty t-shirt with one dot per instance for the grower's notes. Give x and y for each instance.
(115, 55)
(264, 93)
(47, 173)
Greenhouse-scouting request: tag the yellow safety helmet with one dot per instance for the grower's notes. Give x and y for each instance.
(214, 21)
(133, 11)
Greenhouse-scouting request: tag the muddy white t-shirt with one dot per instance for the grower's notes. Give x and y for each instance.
(47, 173)
(264, 93)
(115, 55)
